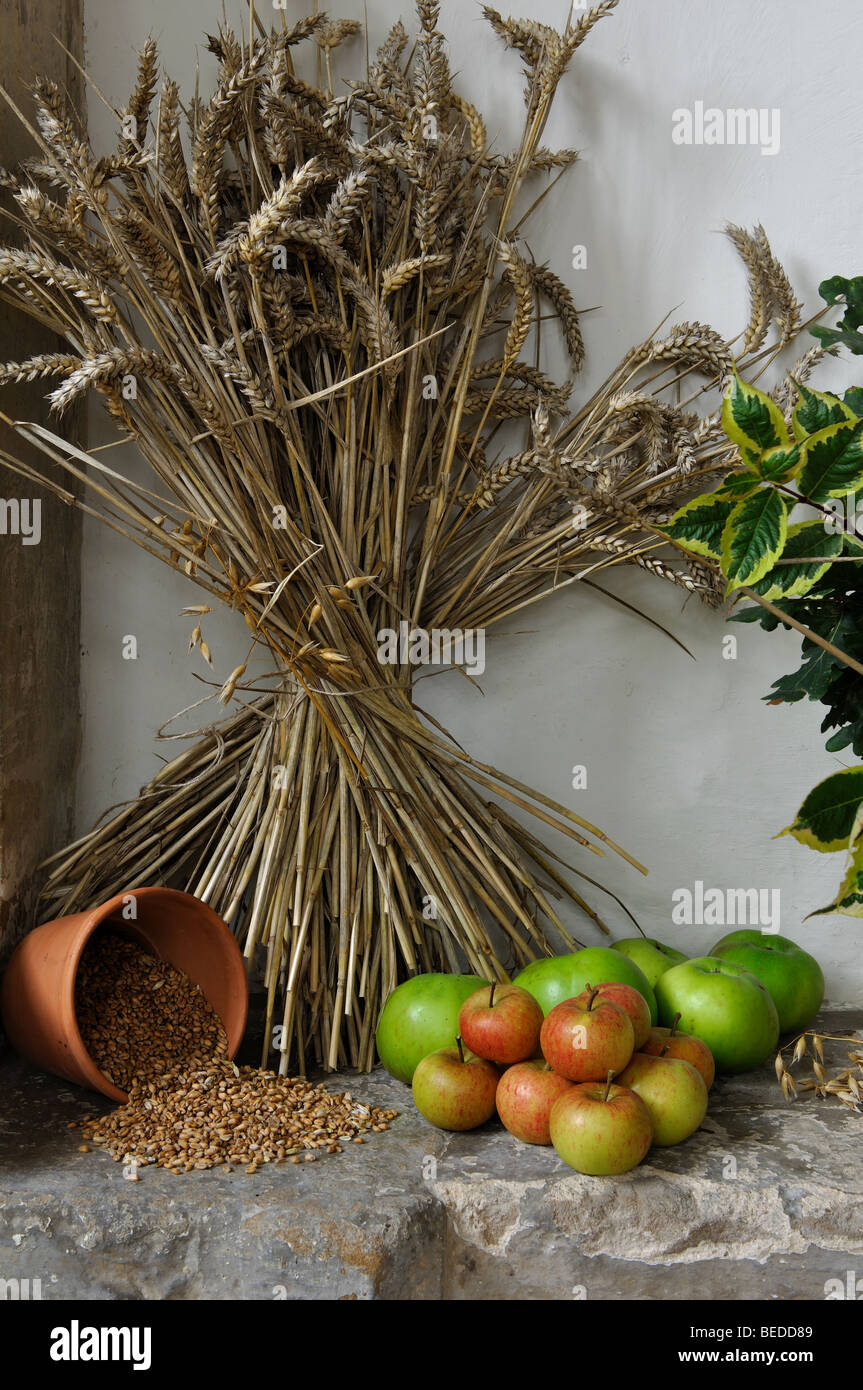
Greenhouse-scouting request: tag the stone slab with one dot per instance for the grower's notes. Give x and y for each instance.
(764, 1202)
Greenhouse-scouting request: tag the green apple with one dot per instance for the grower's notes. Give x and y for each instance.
(556, 978)
(792, 977)
(674, 1093)
(652, 957)
(419, 1017)
(725, 1006)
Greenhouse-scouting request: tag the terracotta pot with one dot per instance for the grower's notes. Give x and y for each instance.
(37, 996)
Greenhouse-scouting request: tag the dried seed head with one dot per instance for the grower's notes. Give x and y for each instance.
(230, 684)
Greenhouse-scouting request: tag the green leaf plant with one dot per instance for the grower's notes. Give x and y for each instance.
(804, 575)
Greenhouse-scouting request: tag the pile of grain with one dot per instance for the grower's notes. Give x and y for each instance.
(138, 1016)
(152, 1032)
(202, 1117)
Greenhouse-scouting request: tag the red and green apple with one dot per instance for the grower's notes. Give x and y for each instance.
(501, 1023)
(586, 1038)
(525, 1094)
(633, 1004)
(453, 1089)
(601, 1129)
(667, 1042)
(674, 1093)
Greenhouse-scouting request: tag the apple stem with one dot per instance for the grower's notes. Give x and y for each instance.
(664, 1050)
(460, 1048)
(591, 997)
(674, 1023)
(608, 1085)
(491, 995)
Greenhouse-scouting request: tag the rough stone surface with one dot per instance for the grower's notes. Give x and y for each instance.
(764, 1202)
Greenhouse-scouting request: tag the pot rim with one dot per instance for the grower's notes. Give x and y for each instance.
(93, 919)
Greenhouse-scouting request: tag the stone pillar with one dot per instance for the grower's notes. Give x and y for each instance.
(39, 583)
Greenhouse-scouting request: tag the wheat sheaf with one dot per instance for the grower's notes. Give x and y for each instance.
(311, 307)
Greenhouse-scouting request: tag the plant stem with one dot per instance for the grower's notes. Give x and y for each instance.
(460, 1047)
(800, 627)
(608, 1082)
(491, 994)
(802, 501)
(825, 1037)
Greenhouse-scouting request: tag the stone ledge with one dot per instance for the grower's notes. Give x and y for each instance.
(764, 1202)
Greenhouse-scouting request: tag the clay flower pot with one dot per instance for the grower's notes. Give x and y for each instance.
(37, 996)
